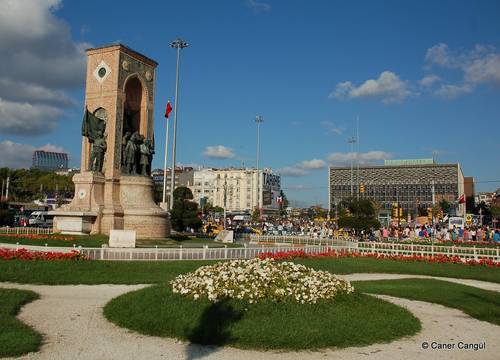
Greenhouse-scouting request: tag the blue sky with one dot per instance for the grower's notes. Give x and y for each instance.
(421, 76)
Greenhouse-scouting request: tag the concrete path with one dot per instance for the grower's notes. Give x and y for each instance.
(375, 276)
(71, 321)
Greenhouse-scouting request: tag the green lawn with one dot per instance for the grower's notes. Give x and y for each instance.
(368, 265)
(16, 338)
(50, 240)
(337, 323)
(147, 272)
(478, 303)
(99, 240)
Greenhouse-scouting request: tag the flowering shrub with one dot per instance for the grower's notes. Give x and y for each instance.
(23, 254)
(256, 279)
(294, 254)
(41, 237)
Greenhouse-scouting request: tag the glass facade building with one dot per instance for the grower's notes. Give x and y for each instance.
(50, 161)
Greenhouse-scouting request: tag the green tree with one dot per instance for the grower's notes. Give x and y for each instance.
(184, 211)
(284, 204)
(26, 184)
(445, 206)
(256, 214)
(358, 214)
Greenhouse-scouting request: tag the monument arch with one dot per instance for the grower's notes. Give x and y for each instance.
(114, 189)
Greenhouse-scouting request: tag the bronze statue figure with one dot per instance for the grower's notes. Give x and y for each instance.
(146, 156)
(98, 151)
(131, 154)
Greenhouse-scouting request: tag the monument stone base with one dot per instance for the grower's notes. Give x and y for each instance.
(140, 212)
(74, 222)
(86, 214)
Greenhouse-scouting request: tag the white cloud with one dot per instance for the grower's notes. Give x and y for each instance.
(388, 87)
(15, 155)
(293, 171)
(480, 65)
(440, 55)
(258, 6)
(370, 157)
(27, 119)
(483, 70)
(450, 91)
(218, 152)
(302, 168)
(331, 127)
(429, 80)
(40, 62)
(312, 164)
(52, 148)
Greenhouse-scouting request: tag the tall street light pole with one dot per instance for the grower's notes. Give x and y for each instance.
(351, 141)
(178, 44)
(258, 119)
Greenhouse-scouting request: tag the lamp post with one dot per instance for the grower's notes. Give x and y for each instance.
(178, 44)
(258, 119)
(351, 141)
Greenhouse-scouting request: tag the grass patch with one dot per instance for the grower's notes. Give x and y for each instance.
(147, 272)
(368, 265)
(99, 240)
(16, 338)
(52, 240)
(480, 304)
(266, 325)
(184, 241)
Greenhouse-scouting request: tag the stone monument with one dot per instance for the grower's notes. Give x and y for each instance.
(114, 190)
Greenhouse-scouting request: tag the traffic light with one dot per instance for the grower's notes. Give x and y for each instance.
(400, 212)
(362, 188)
(429, 213)
(395, 210)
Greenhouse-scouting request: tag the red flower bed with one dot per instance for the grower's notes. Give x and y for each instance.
(294, 254)
(23, 254)
(39, 237)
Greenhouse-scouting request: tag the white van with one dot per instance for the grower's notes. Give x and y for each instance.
(457, 222)
(41, 219)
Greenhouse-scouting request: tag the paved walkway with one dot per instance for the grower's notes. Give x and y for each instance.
(71, 320)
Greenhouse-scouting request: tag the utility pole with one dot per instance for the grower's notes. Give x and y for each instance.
(351, 141)
(178, 44)
(225, 201)
(259, 120)
(433, 190)
(357, 154)
(7, 189)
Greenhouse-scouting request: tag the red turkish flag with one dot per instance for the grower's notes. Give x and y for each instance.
(168, 110)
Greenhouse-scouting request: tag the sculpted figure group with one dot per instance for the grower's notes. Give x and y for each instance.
(137, 154)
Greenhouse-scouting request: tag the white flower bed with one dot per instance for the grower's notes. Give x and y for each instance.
(256, 279)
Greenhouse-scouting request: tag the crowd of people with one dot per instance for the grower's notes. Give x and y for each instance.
(329, 229)
(440, 233)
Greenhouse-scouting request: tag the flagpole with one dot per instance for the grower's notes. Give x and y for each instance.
(165, 163)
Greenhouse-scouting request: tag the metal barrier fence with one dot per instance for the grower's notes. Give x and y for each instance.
(463, 252)
(25, 230)
(301, 240)
(247, 252)
(180, 253)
